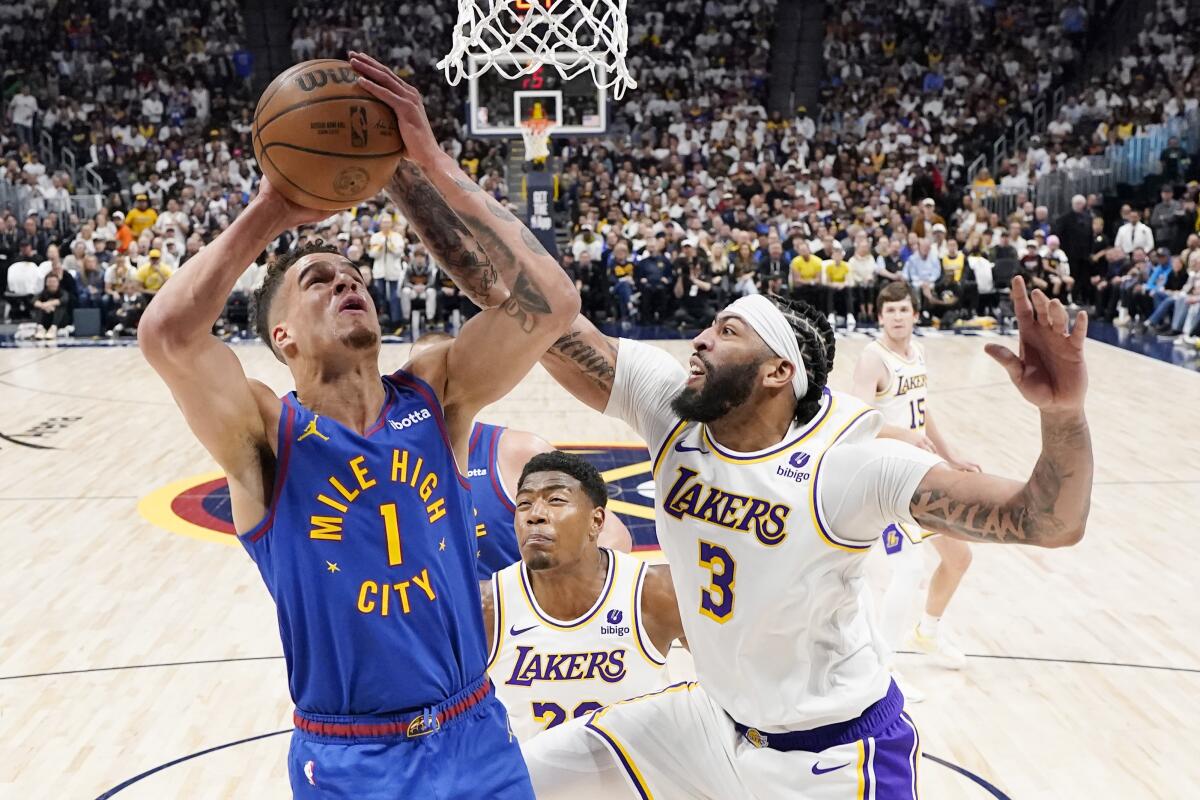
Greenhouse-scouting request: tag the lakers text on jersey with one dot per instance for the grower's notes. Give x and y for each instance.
(547, 671)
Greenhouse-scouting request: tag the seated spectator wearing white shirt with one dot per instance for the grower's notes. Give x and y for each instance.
(24, 282)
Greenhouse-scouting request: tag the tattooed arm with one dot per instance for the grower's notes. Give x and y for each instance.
(1050, 509)
(584, 362)
(449, 241)
(498, 347)
(875, 482)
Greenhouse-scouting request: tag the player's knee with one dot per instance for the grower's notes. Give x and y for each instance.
(958, 557)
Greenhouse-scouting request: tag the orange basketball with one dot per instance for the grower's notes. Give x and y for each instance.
(322, 140)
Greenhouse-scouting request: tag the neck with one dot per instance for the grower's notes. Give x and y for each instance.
(350, 393)
(565, 592)
(898, 346)
(755, 426)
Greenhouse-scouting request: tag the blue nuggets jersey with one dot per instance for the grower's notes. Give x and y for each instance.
(496, 537)
(368, 550)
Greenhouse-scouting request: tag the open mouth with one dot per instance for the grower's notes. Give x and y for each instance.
(696, 369)
(352, 302)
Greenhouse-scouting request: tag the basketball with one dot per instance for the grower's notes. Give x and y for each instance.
(322, 140)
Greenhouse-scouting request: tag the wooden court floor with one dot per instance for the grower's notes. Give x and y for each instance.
(125, 646)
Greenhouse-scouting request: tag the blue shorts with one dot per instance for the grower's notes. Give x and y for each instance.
(472, 756)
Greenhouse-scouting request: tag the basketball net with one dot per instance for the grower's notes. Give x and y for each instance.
(517, 37)
(535, 131)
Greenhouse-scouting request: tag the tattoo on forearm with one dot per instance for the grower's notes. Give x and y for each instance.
(500, 212)
(526, 303)
(1055, 500)
(532, 242)
(598, 366)
(467, 186)
(442, 231)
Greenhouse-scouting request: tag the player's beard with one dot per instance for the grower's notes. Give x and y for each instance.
(724, 390)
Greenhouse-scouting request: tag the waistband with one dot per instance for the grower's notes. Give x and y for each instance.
(877, 716)
(405, 724)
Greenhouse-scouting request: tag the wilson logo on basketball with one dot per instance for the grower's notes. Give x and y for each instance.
(317, 78)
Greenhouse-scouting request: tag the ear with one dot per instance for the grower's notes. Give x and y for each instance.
(599, 514)
(778, 375)
(281, 337)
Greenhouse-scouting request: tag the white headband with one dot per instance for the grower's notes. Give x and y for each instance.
(768, 322)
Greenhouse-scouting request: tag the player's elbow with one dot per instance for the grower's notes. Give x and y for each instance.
(1067, 536)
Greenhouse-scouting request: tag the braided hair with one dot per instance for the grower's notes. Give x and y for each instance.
(814, 335)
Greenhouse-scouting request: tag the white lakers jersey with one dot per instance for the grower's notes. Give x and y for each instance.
(902, 401)
(770, 590)
(547, 671)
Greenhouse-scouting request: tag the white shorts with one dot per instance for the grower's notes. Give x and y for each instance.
(678, 744)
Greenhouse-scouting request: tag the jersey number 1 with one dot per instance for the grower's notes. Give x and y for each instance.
(391, 528)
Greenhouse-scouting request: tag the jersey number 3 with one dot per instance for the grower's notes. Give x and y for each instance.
(716, 599)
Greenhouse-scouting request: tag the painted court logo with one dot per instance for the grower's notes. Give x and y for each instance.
(198, 506)
(795, 471)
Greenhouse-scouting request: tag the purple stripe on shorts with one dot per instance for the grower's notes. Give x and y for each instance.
(895, 748)
(867, 753)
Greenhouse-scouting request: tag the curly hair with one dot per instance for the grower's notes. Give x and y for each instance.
(264, 295)
(814, 335)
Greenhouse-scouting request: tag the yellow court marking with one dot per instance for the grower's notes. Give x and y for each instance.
(627, 471)
(156, 509)
(631, 509)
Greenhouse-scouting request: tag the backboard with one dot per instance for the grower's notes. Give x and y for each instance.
(497, 105)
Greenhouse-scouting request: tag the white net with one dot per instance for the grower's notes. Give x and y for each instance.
(516, 37)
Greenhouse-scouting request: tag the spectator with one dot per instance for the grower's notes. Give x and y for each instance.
(693, 289)
(89, 283)
(1074, 230)
(52, 309)
(1058, 270)
(22, 109)
(128, 309)
(141, 217)
(153, 274)
(24, 283)
(805, 281)
(866, 276)
(1175, 163)
(655, 282)
(620, 272)
(417, 284)
(387, 249)
(838, 280)
(773, 269)
(922, 271)
(1167, 220)
(587, 239)
(1134, 234)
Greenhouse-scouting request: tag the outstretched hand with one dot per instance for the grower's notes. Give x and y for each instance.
(405, 101)
(1048, 370)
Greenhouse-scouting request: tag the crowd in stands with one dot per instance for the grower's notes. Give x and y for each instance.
(697, 195)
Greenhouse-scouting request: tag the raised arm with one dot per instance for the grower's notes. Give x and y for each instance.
(229, 414)
(498, 347)
(1050, 509)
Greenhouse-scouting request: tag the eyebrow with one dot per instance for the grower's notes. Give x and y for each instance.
(553, 487)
